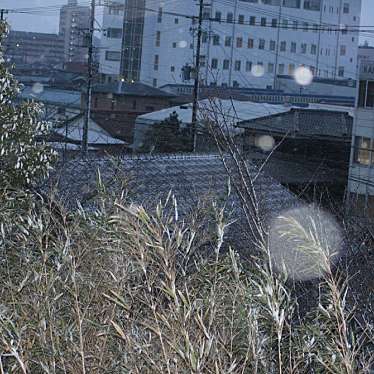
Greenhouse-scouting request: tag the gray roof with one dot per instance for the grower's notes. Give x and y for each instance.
(52, 96)
(189, 177)
(310, 123)
(131, 89)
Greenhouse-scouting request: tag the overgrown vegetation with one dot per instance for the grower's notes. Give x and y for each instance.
(125, 290)
(168, 136)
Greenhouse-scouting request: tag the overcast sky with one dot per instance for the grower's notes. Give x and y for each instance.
(48, 21)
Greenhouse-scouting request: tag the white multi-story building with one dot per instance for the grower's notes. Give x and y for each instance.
(361, 173)
(245, 42)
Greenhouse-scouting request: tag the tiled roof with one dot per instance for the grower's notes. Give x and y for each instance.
(189, 177)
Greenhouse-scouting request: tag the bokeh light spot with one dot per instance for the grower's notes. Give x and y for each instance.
(258, 70)
(37, 88)
(305, 242)
(303, 76)
(265, 142)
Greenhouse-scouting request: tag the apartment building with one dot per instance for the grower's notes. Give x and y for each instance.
(74, 24)
(34, 48)
(245, 43)
(361, 174)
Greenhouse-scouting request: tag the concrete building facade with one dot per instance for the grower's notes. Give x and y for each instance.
(30, 48)
(245, 43)
(74, 24)
(361, 174)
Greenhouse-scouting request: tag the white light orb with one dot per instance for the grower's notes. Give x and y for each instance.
(303, 76)
(265, 142)
(37, 88)
(258, 71)
(182, 44)
(305, 242)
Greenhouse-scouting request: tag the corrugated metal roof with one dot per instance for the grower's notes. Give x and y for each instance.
(73, 131)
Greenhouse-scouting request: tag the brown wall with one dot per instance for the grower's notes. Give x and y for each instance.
(117, 113)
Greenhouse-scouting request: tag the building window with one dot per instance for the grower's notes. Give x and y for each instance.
(159, 15)
(214, 64)
(241, 19)
(343, 50)
(293, 47)
(158, 38)
(250, 43)
(239, 42)
(114, 33)
(174, 44)
(283, 46)
(252, 20)
(263, 21)
(281, 69)
(227, 41)
(312, 5)
(114, 10)
(291, 69)
(156, 62)
(248, 66)
(272, 45)
(346, 8)
(112, 56)
(226, 64)
(218, 16)
(291, 3)
(215, 39)
(238, 64)
(261, 44)
(366, 94)
(363, 151)
(270, 67)
(295, 25)
(176, 21)
(341, 71)
(305, 26)
(204, 37)
(154, 83)
(285, 23)
(230, 17)
(313, 49)
(274, 22)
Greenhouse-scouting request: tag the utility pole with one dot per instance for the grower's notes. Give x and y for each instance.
(2, 12)
(89, 81)
(197, 76)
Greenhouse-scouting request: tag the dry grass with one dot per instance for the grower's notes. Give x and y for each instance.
(122, 290)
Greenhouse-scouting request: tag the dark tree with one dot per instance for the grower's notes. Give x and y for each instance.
(169, 136)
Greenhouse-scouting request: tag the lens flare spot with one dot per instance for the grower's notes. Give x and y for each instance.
(37, 88)
(305, 242)
(265, 142)
(182, 44)
(303, 76)
(258, 70)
